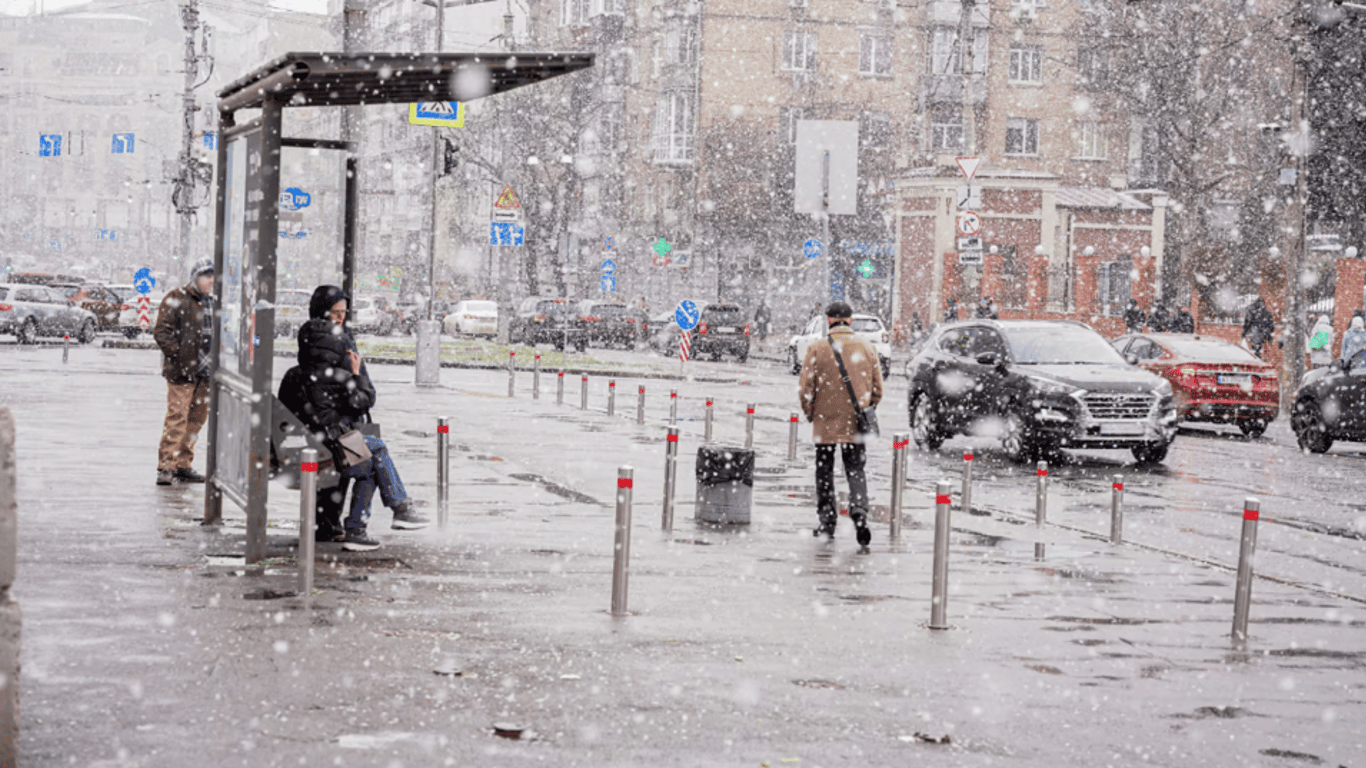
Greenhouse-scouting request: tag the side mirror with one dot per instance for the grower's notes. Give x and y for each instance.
(1341, 364)
(1131, 358)
(989, 358)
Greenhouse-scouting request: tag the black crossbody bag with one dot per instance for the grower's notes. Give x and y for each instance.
(867, 417)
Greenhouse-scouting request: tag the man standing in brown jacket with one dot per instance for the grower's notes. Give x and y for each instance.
(826, 402)
(184, 333)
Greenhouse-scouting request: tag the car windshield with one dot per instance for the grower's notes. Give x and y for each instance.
(552, 308)
(1209, 351)
(731, 315)
(609, 310)
(481, 306)
(866, 324)
(1052, 344)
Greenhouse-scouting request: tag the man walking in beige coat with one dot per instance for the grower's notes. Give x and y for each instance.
(826, 402)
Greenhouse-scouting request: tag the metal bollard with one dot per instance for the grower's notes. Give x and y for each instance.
(965, 498)
(1242, 595)
(536, 377)
(706, 423)
(611, 397)
(900, 441)
(308, 501)
(1041, 507)
(792, 437)
(559, 388)
(673, 407)
(621, 558)
(583, 393)
(670, 476)
(512, 371)
(640, 405)
(66, 345)
(443, 470)
(1117, 510)
(749, 425)
(940, 586)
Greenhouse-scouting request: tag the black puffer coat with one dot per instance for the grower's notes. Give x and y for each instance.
(334, 399)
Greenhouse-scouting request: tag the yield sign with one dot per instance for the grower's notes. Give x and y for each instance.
(969, 166)
(507, 198)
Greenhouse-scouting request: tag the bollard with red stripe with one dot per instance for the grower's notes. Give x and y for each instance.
(308, 500)
(673, 407)
(621, 557)
(1242, 593)
(900, 442)
(640, 405)
(512, 371)
(583, 393)
(966, 495)
(443, 470)
(940, 588)
(749, 426)
(611, 397)
(792, 437)
(670, 476)
(536, 377)
(706, 422)
(559, 388)
(1117, 509)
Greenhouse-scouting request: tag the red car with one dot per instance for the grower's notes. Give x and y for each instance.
(1212, 380)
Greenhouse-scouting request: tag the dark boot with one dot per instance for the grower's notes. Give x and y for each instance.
(826, 528)
(861, 529)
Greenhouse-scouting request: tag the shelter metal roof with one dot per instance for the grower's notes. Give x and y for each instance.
(1099, 197)
(349, 79)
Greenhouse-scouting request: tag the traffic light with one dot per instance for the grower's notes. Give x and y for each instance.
(451, 157)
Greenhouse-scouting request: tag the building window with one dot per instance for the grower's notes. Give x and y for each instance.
(673, 128)
(799, 51)
(656, 58)
(946, 130)
(1026, 64)
(1090, 140)
(680, 43)
(788, 117)
(1093, 68)
(798, 3)
(947, 59)
(575, 11)
(1014, 278)
(1114, 280)
(609, 128)
(875, 129)
(875, 55)
(615, 7)
(1022, 136)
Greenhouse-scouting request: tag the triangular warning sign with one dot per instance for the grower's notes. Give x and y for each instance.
(507, 198)
(968, 165)
(436, 108)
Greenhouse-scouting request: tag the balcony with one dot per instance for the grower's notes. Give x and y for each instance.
(948, 89)
(950, 12)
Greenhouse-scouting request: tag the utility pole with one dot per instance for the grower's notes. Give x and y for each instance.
(182, 196)
(969, 111)
(1297, 149)
(428, 368)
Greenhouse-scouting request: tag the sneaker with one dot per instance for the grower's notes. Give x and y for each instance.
(188, 476)
(165, 477)
(406, 517)
(826, 528)
(327, 534)
(865, 535)
(357, 540)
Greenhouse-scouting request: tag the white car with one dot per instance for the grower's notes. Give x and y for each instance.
(867, 326)
(128, 312)
(367, 317)
(472, 318)
(291, 310)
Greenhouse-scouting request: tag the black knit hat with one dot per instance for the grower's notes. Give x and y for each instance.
(839, 309)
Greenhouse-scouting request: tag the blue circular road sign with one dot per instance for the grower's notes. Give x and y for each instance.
(687, 315)
(812, 248)
(143, 280)
(609, 267)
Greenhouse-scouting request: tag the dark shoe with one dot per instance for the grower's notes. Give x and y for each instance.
(826, 528)
(865, 535)
(328, 534)
(406, 517)
(165, 477)
(188, 476)
(357, 540)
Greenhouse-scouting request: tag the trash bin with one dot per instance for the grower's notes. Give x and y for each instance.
(725, 484)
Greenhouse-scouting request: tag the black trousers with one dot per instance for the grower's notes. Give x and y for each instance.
(854, 457)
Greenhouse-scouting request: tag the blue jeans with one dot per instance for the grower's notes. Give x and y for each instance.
(380, 472)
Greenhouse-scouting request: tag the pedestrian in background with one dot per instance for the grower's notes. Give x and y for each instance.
(762, 319)
(1258, 326)
(184, 333)
(1160, 319)
(950, 310)
(1133, 317)
(826, 402)
(985, 310)
(1183, 322)
(1321, 343)
(1354, 341)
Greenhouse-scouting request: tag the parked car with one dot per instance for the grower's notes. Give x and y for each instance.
(291, 310)
(722, 329)
(128, 313)
(1330, 405)
(1041, 386)
(409, 312)
(541, 320)
(1212, 380)
(472, 317)
(609, 323)
(102, 302)
(867, 326)
(31, 310)
(366, 316)
(663, 332)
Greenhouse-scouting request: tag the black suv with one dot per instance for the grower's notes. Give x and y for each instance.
(722, 329)
(541, 320)
(609, 323)
(1331, 405)
(1042, 385)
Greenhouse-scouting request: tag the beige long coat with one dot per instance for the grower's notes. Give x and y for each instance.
(824, 398)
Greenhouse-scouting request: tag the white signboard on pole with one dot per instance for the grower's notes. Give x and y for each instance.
(827, 167)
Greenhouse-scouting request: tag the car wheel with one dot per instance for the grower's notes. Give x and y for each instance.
(1150, 453)
(886, 368)
(1310, 429)
(87, 332)
(742, 356)
(715, 356)
(131, 333)
(925, 423)
(28, 332)
(1016, 442)
(1252, 427)
(793, 362)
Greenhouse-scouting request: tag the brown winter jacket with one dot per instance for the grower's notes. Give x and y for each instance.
(824, 398)
(179, 332)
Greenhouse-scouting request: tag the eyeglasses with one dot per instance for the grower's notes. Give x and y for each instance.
(337, 313)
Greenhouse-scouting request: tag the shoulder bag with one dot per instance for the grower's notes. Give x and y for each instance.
(867, 417)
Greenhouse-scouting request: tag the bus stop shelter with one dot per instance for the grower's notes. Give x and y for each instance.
(247, 225)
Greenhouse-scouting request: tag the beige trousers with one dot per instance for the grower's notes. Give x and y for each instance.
(187, 408)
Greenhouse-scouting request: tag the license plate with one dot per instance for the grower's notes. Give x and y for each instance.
(1121, 428)
(727, 329)
(1240, 379)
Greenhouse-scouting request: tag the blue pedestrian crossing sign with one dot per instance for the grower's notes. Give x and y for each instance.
(447, 114)
(505, 233)
(812, 248)
(687, 315)
(123, 144)
(609, 267)
(609, 283)
(143, 280)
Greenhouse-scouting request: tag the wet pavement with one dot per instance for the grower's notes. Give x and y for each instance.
(147, 640)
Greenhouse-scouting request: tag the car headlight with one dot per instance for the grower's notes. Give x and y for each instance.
(1163, 389)
(1051, 387)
